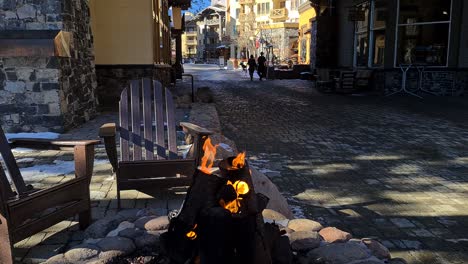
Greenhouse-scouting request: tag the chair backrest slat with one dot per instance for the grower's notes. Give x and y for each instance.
(171, 126)
(136, 119)
(148, 120)
(124, 129)
(159, 114)
(12, 167)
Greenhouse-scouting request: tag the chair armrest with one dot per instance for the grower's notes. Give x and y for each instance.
(108, 130)
(35, 143)
(83, 151)
(198, 135)
(108, 133)
(195, 129)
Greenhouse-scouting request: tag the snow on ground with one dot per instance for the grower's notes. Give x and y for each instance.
(58, 167)
(42, 135)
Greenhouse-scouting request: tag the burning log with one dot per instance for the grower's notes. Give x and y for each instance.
(220, 220)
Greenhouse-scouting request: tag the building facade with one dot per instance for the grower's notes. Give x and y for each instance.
(189, 38)
(268, 26)
(389, 36)
(47, 76)
(211, 29)
(306, 17)
(132, 40)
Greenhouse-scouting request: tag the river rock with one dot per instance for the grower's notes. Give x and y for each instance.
(377, 249)
(273, 215)
(304, 225)
(333, 235)
(122, 226)
(304, 240)
(141, 222)
(339, 253)
(277, 201)
(159, 223)
(131, 233)
(82, 252)
(103, 226)
(58, 259)
(397, 261)
(112, 247)
(148, 240)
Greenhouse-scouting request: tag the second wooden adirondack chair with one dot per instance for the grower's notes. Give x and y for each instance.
(27, 210)
(147, 132)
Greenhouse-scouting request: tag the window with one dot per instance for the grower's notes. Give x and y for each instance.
(263, 8)
(423, 32)
(282, 4)
(237, 12)
(361, 54)
(370, 34)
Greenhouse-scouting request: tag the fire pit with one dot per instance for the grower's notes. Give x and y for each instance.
(220, 220)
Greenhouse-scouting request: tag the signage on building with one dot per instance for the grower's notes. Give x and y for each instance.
(356, 14)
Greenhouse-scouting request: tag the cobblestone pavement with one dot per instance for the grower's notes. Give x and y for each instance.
(393, 168)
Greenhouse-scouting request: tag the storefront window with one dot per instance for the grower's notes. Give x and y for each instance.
(362, 37)
(379, 17)
(423, 32)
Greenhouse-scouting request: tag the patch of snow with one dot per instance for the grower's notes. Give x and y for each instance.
(458, 240)
(58, 167)
(22, 150)
(226, 147)
(25, 160)
(42, 135)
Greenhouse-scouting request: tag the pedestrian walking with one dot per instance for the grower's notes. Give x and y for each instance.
(252, 66)
(261, 66)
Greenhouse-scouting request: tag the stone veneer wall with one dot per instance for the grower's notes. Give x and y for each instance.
(48, 93)
(112, 79)
(445, 82)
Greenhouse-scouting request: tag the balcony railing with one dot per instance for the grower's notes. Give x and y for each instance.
(190, 33)
(211, 22)
(246, 2)
(279, 14)
(191, 42)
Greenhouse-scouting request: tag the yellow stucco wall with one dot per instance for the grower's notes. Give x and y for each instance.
(304, 24)
(123, 31)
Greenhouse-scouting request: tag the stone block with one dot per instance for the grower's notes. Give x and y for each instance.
(10, 15)
(33, 62)
(24, 74)
(50, 86)
(36, 26)
(12, 76)
(45, 75)
(42, 109)
(15, 87)
(26, 11)
(51, 96)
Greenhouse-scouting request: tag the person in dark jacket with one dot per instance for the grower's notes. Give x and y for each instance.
(261, 66)
(252, 66)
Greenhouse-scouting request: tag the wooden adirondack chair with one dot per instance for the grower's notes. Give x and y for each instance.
(147, 123)
(27, 211)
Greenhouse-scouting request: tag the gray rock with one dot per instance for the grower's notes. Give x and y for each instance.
(129, 214)
(397, 261)
(82, 252)
(339, 253)
(151, 212)
(112, 247)
(122, 226)
(141, 222)
(102, 227)
(58, 259)
(26, 11)
(304, 225)
(159, 223)
(304, 240)
(131, 233)
(377, 249)
(10, 15)
(372, 260)
(148, 240)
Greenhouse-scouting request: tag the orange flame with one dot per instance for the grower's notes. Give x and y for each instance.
(239, 161)
(208, 156)
(241, 188)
